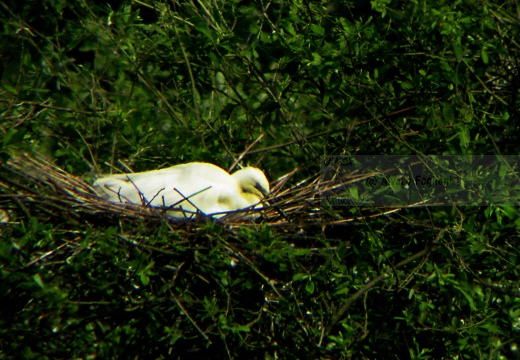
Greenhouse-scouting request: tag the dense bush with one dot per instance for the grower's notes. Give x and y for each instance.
(110, 86)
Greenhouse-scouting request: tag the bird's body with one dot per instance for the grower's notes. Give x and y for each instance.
(190, 187)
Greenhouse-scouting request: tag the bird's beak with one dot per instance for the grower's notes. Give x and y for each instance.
(263, 191)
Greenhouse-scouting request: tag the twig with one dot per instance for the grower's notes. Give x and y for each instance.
(185, 312)
(245, 152)
(241, 256)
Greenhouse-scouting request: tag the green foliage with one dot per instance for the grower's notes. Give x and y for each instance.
(98, 86)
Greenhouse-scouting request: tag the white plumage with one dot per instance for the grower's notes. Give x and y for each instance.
(193, 186)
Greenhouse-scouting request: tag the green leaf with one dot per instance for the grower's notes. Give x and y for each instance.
(145, 279)
(411, 293)
(310, 287)
(202, 27)
(457, 50)
(254, 29)
(297, 277)
(290, 29)
(448, 113)
(354, 192)
(38, 279)
(342, 291)
(11, 89)
(468, 297)
(317, 29)
(14, 136)
(484, 55)
(464, 136)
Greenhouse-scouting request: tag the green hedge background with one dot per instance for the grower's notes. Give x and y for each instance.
(100, 87)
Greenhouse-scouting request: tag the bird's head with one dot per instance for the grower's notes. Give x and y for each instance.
(252, 181)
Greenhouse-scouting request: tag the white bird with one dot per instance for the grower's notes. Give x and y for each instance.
(190, 187)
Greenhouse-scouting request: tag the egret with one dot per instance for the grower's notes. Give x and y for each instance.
(190, 187)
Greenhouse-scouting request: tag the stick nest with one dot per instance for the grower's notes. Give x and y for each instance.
(31, 184)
